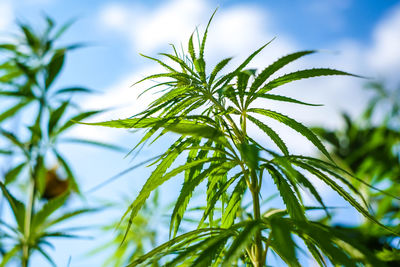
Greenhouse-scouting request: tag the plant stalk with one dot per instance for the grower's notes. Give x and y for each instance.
(255, 191)
(27, 223)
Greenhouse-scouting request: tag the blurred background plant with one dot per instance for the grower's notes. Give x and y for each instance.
(142, 236)
(368, 147)
(34, 116)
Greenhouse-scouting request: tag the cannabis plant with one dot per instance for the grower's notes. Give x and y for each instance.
(31, 129)
(211, 113)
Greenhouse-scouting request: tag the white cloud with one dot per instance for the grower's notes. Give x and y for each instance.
(384, 55)
(150, 29)
(6, 14)
(114, 16)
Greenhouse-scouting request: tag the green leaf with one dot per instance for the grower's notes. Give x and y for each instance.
(49, 208)
(77, 118)
(17, 207)
(54, 67)
(12, 174)
(293, 206)
(31, 38)
(229, 215)
(240, 243)
(344, 194)
(217, 69)
(94, 143)
(13, 110)
(195, 130)
(179, 240)
(11, 47)
(6, 152)
(191, 51)
(9, 76)
(301, 74)
(69, 90)
(55, 116)
(250, 154)
(9, 255)
(213, 194)
(68, 215)
(71, 177)
(298, 127)
(225, 79)
(13, 139)
(129, 123)
(63, 28)
(284, 99)
(271, 69)
(157, 178)
(324, 240)
(282, 242)
(271, 133)
(184, 197)
(47, 256)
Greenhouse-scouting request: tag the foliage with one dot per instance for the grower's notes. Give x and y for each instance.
(369, 150)
(30, 66)
(141, 236)
(210, 112)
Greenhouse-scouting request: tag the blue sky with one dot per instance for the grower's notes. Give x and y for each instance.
(359, 36)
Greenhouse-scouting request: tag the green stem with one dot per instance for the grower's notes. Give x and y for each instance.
(27, 223)
(255, 190)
